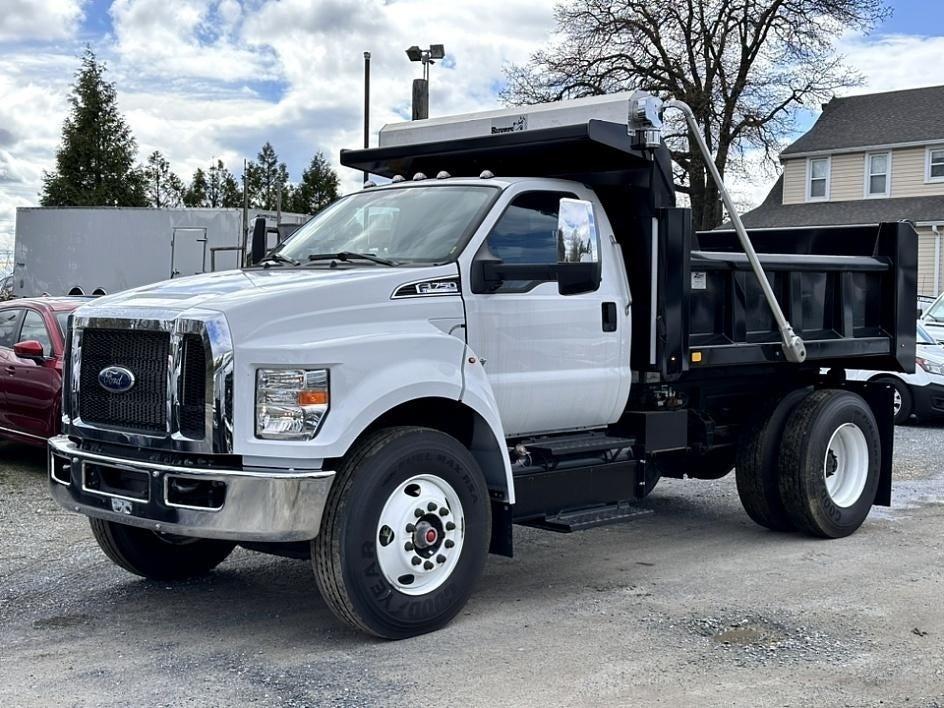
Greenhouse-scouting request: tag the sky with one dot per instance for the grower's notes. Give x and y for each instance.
(201, 80)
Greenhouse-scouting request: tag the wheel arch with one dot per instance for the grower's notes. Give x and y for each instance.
(461, 421)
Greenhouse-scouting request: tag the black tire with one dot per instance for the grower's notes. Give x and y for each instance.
(803, 487)
(756, 468)
(907, 401)
(344, 554)
(158, 556)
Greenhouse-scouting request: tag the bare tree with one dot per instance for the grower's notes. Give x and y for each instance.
(744, 66)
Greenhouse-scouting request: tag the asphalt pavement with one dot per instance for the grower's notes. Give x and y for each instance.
(690, 605)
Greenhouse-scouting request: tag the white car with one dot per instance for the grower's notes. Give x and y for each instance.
(922, 393)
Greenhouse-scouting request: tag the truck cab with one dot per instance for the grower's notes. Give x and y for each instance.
(432, 360)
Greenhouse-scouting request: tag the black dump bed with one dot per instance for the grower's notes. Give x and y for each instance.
(849, 292)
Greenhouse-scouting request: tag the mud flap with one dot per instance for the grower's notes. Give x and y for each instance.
(880, 397)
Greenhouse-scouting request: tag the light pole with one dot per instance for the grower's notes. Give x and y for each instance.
(421, 86)
(366, 106)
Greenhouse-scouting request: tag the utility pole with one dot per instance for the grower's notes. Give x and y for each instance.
(245, 240)
(366, 107)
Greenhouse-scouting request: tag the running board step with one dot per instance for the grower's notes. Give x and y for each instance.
(580, 519)
(577, 445)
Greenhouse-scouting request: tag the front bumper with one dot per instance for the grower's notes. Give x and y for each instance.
(928, 400)
(272, 506)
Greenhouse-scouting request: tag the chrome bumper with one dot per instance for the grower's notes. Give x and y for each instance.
(256, 505)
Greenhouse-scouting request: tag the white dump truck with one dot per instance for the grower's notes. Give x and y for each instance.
(521, 327)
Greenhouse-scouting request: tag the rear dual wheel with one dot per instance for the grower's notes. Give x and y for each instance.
(812, 465)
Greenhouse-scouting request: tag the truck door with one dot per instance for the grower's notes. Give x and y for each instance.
(35, 385)
(552, 360)
(10, 319)
(188, 248)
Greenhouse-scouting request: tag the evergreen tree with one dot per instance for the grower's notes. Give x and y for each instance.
(318, 188)
(222, 188)
(215, 188)
(196, 194)
(267, 179)
(95, 162)
(164, 188)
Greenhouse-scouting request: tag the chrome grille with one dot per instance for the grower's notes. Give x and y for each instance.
(191, 387)
(146, 355)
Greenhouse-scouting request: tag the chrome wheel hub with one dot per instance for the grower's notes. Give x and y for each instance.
(419, 534)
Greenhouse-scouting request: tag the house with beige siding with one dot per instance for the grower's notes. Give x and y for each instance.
(871, 158)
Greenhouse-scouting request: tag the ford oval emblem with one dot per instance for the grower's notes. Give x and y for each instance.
(116, 379)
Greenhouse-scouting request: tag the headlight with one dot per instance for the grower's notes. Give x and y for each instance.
(290, 403)
(930, 366)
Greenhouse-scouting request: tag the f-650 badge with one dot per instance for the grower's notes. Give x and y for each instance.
(116, 379)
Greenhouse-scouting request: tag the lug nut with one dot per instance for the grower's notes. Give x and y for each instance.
(449, 526)
(418, 513)
(428, 565)
(449, 543)
(431, 506)
(407, 546)
(440, 558)
(416, 560)
(444, 511)
(410, 528)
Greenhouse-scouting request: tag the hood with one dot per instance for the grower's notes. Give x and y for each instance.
(935, 328)
(276, 289)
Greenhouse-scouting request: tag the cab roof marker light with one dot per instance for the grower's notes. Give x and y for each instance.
(442, 174)
(369, 183)
(398, 178)
(419, 177)
(486, 174)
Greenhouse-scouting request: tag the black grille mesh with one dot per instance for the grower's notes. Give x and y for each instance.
(145, 354)
(192, 388)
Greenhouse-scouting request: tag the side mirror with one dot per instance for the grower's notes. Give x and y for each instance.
(28, 349)
(578, 248)
(257, 246)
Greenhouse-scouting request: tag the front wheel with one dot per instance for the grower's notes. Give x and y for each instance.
(404, 534)
(156, 555)
(902, 402)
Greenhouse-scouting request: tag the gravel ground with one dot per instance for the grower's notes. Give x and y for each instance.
(689, 605)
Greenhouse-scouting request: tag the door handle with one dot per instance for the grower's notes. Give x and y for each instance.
(10, 369)
(609, 316)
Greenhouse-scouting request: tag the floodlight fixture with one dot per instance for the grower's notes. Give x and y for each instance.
(426, 56)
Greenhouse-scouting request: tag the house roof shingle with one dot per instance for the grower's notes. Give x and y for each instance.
(774, 213)
(894, 117)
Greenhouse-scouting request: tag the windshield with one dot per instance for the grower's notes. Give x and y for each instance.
(63, 319)
(936, 312)
(924, 337)
(406, 225)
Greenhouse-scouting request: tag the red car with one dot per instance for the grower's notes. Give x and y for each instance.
(32, 342)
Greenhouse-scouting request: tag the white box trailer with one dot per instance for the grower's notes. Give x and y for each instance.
(102, 250)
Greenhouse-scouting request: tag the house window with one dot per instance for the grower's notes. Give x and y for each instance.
(935, 166)
(818, 182)
(877, 174)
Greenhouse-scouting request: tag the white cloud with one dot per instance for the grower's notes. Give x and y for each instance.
(895, 61)
(210, 79)
(39, 19)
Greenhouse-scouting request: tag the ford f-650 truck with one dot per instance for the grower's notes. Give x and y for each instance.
(521, 327)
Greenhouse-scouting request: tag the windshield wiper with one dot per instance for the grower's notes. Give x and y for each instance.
(350, 256)
(278, 258)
